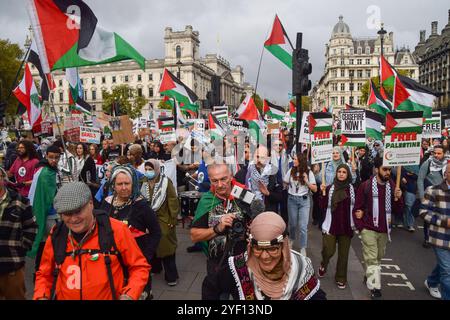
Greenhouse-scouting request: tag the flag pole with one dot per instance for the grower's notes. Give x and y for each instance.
(259, 67)
(324, 193)
(17, 74)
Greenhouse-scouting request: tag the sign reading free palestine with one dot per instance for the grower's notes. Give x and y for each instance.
(403, 137)
(432, 126)
(320, 128)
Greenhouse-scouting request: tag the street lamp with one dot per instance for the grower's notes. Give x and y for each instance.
(382, 32)
(179, 64)
(351, 75)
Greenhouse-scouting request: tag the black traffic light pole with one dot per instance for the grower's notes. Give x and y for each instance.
(297, 93)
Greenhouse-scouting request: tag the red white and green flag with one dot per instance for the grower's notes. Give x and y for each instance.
(320, 122)
(387, 73)
(273, 111)
(279, 44)
(377, 102)
(374, 122)
(412, 96)
(28, 96)
(172, 87)
(249, 112)
(404, 122)
(166, 124)
(215, 127)
(292, 109)
(67, 35)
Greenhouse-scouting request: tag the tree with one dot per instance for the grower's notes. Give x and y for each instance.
(10, 59)
(130, 103)
(365, 90)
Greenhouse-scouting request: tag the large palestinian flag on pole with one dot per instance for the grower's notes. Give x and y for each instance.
(374, 121)
(412, 96)
(249, 112)
(387, 73)
(279, 44)
(273, 111)
(28, 96)
(67, 35)
(377, 102)
(172, 87)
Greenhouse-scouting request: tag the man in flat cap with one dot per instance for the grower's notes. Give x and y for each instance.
(82, 243)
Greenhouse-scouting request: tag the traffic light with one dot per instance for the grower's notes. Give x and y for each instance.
(301, 69)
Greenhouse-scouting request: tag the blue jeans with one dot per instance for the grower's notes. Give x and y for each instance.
(298, 210)
(441, 273)
(408, 218)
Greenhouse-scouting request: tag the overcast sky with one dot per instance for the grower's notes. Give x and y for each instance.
(237, 29)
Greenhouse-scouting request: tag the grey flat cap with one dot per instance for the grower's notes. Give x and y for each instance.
(71, 197)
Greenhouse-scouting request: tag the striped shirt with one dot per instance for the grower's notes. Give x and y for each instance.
(435, 209)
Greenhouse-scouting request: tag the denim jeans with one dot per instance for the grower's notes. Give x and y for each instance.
(408, 218)
(298, 210)
(441, 273)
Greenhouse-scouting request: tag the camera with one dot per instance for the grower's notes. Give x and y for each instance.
(238, 229)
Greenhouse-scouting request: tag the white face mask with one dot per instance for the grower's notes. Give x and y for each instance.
(150, 174)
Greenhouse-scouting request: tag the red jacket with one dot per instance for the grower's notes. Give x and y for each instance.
(94, 284)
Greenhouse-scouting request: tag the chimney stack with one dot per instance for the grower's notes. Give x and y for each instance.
(434, 28)
(449, 16)
(422, 35)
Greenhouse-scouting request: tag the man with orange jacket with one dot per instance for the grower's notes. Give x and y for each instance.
(82, 260)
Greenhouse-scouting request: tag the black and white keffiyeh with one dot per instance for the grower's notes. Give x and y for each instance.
(328, 218)
(375, 206)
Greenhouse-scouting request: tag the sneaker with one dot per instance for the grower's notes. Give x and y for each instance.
(341, 285)
(434, 292)
(321, 272)
(375, 294)
(172, 283)
(411, 229)
(400, 225)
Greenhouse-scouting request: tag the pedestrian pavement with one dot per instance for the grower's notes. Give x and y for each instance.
(192, 270)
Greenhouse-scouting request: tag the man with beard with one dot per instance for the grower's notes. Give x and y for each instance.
(23, 167)
(430, 174)
(376, 199)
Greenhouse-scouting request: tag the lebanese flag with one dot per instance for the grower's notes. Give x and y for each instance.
(279, 44)
(27, 95)
(172, 87)
(67, 35)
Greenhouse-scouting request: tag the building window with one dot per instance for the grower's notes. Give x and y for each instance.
(113, 79)
(61, 97)
(103, 79)
(150, 92)
(342, 51)
(334, 51)
(342, 73)
(60, 83)
(368, 73)
(360, 86)
(351, 61)
(342, 101)
(342, 86)
(94, 107)
(126, 78)
(94, 95)
(359, 61)
(342, 62)
(61, 109)
(333, 73)
(367, 50)
(139, 77)
(139, 90)
(352, 51)
(333, 62)
(178, 52)
(359, 50)
(359, 73)
(351, 86)
(334, 87)
(150, 77)
(93, 80)
(367, 61)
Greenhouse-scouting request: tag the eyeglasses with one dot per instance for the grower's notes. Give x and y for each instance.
(272, 251)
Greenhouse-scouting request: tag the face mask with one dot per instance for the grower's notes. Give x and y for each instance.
(150, 174)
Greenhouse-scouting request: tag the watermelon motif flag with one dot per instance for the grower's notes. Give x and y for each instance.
(387, 73)
(374, 121)
(279, 44)
(273, 111)
(28, 96)
(76, 101)
(68, 35)
(377, 102)
(403, 137)
(412, 96)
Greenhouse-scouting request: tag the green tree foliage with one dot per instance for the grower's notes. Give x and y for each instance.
(10, 59)
(130, 103)
(365, 90)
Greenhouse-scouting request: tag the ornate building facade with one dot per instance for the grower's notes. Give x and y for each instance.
(433, 55)
(182, 58)
(350, 62)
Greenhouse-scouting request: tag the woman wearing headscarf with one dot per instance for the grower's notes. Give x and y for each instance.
(160, 193)
(269, 269)
(129, 206)
(331, 167)
(338, 225)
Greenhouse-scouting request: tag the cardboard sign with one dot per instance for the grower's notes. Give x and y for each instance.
(432, 126)
(238, 125)
(72, 135)
(122, 130)
(353, 128)
(167, 136)
(320, 125)
(273, 128)
(304, 129)
(403, 138)
(90, 135)
(72, 122)
(47, 128)
(145, 132)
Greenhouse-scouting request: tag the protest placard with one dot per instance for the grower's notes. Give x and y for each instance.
(304, 129)
(353, 128)
(432, 126)
(320, 128)
(90, 135)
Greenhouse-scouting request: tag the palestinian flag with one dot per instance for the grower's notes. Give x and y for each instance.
(328, 109)
(172, 86)
(279, 44)
(166, 124)
(215, 127)
(377, 102)
(320, 122)
(190, 110)
(273, 111)
(404, 122)
(387, 73)
(412, 96)
(46, 79)
(42, 193)
(68, 35)
(249, 112)
(27, 95)
(374, 122)
(76, 101)
(292, 109)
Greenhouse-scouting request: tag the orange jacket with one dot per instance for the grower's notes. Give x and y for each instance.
(94, 284)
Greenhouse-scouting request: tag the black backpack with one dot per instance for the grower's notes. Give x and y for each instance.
(106, 243)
